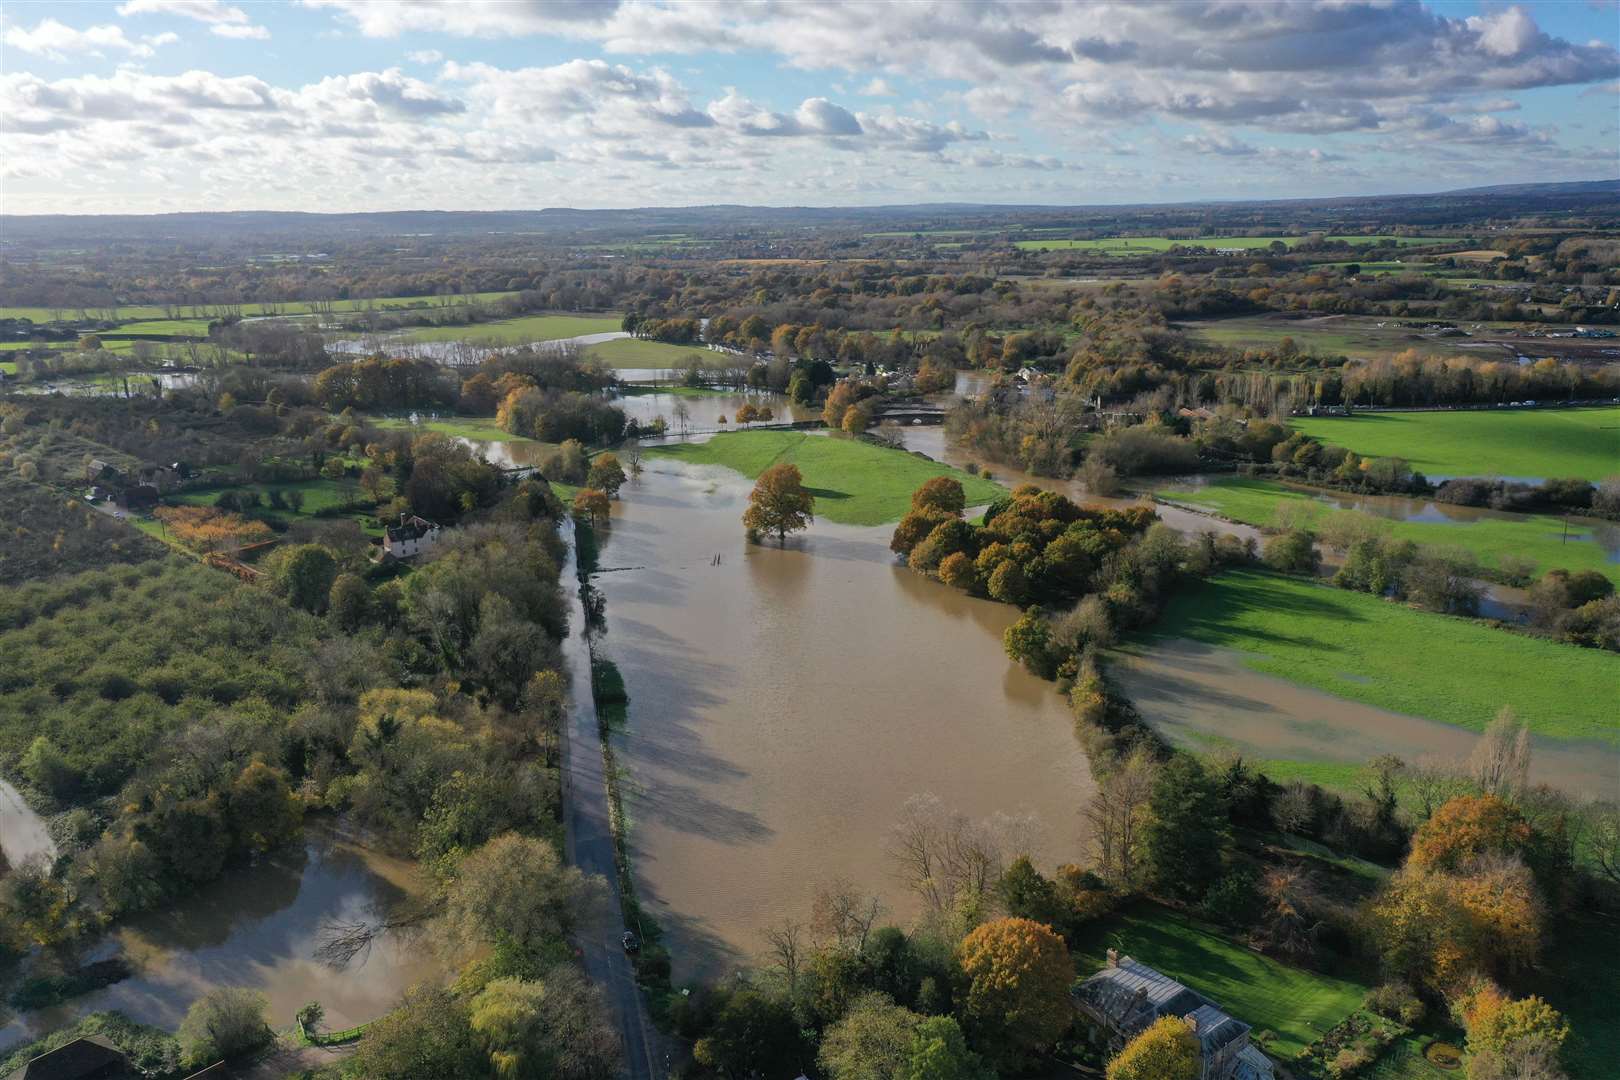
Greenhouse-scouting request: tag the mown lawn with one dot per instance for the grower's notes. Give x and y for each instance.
(519, 331)
(1578, 976)
(319, 495)
(1298, 1005)
(1537, 537)
(639, 353)
(855, 483)
(1371, 650)
(1527, 442)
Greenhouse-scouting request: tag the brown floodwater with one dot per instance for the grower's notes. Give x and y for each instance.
(704, 410)
(259, 928)
(1203, 696)
(785, 703)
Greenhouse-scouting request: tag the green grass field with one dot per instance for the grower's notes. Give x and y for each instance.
(478, 428)
(206, 311)
(1137, 245)
(1353, 336)
(1578, 976)
(1538, 537)
(855, 483)
(1298, 1005)
(166, 327)
(639, 353)
(519, 331)
(1527, 442)
(1367, 649)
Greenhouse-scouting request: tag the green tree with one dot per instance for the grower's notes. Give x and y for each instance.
(779, 503)
(261, 809)
(303, 574)
(939, 1051)
(349, 602)
(428, 1034)
(515, 892)
(1185, 841)
(871, 1042)
(557, 1028)
(1026, 894)
(1165, 1050)
(753, 1034)
(223, 1023)
(1029, 642)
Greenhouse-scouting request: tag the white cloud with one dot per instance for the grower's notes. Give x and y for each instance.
(223, 19)
(424, 56)
(878, 87)
(55, 41)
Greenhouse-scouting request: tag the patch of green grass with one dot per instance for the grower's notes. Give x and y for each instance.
(678, 391)
(1537, 537)
(163, 327)
(322, 497)
(519, 331)
(208, 311)
(1136, 245)
(1299, 1005)
(1368, 649)
(640, 353)
(1578, 977)
(477, 428)
(854, 482)
(1528, 442)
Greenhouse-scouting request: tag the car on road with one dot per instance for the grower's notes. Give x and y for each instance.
(631, 942)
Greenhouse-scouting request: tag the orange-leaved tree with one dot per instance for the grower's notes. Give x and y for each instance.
(1018, 974)
(1467, 828)
(779, 503)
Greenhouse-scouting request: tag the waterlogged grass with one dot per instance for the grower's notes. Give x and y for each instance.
(519, 331)
(477, 428)
(638, 353)
(1366, 649)
(854, 482)
(1298, 1005)
(1537, 537)
(1135, 245)
(1530, 442)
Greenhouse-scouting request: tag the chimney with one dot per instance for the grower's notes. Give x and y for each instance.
(1192, 1022)
(1113, 958)
(402, 519)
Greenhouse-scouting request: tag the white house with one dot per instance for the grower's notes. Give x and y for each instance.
(412, 536)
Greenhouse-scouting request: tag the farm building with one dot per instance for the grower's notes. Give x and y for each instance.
(1125, 997)
(412, 536)
(90, 1058)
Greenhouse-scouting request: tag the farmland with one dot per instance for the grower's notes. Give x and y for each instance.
(1527, 443)
(1538, 537)
(267, 308)
(641, 353)
(1366, 649)
(519, 331)
(1140, 245)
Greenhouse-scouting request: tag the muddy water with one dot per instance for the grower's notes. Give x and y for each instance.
(704, 410)
(1204, 696)
(785, 703)
(259, 928)
(23, 834)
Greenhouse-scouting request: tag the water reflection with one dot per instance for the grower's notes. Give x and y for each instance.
(785, 702)
(23, 834)
(259, 928)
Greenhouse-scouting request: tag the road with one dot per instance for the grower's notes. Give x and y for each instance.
(588, 844)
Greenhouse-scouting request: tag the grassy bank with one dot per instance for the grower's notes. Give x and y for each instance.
(1538, 537)
(636, 353)
(1366, 649)
(519, 331)
(855, 483)
(1298, 1005)
(1531, 442)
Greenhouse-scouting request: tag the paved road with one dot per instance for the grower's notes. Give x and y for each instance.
(588, 844)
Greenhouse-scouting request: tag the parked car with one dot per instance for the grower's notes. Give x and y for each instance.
(631, 942)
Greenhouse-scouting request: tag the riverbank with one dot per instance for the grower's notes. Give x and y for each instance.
(854, 482)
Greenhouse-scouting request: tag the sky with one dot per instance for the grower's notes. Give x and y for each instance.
(146, 106)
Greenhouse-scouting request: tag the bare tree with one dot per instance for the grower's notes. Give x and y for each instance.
(843, 914)
(944, 858)
(1603, 828)
(1117, 814)
(1500, 762)
(787, 946)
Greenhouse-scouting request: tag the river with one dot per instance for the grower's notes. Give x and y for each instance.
(786, 702)
(259, 927)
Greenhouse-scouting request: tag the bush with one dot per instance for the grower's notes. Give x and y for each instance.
(1395, 1001)
(1293, 552)
(223, 1023)
(1349, 1061)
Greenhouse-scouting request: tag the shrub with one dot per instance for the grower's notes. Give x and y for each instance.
(1395, 1001)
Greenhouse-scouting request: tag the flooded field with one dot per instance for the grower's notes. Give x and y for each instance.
(785, 703)
(1205, 697)
(704, 410)
(259, 928)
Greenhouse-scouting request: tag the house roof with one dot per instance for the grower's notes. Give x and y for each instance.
(82, 1057)
(1129, 995)
(411, 528)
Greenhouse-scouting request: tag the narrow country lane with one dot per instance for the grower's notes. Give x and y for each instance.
(588, 844)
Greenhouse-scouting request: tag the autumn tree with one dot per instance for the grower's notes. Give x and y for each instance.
(555, 1028)
(779, 503)
(1500, 761)
(940, 493)
(1511, 1038)
(606, 474)
(514, 892)
(1119, 813)
(746, 413)
(1465, 828)
(1018, 974)
(1165, 1050)
(592, 505)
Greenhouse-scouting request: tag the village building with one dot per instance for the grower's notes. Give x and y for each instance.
(412, 536)
(1125, 997)
(89, 1058)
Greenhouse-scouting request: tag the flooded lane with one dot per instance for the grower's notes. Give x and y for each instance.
(786, 703)
(1203, 696)
(259, 928)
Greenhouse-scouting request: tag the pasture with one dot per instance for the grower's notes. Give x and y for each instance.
(135, 312)
(640, 353)
(1537, 537)
(1367, 649)
(520, 331)
(854, 482)
(1147, 245)
(1498, 442)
